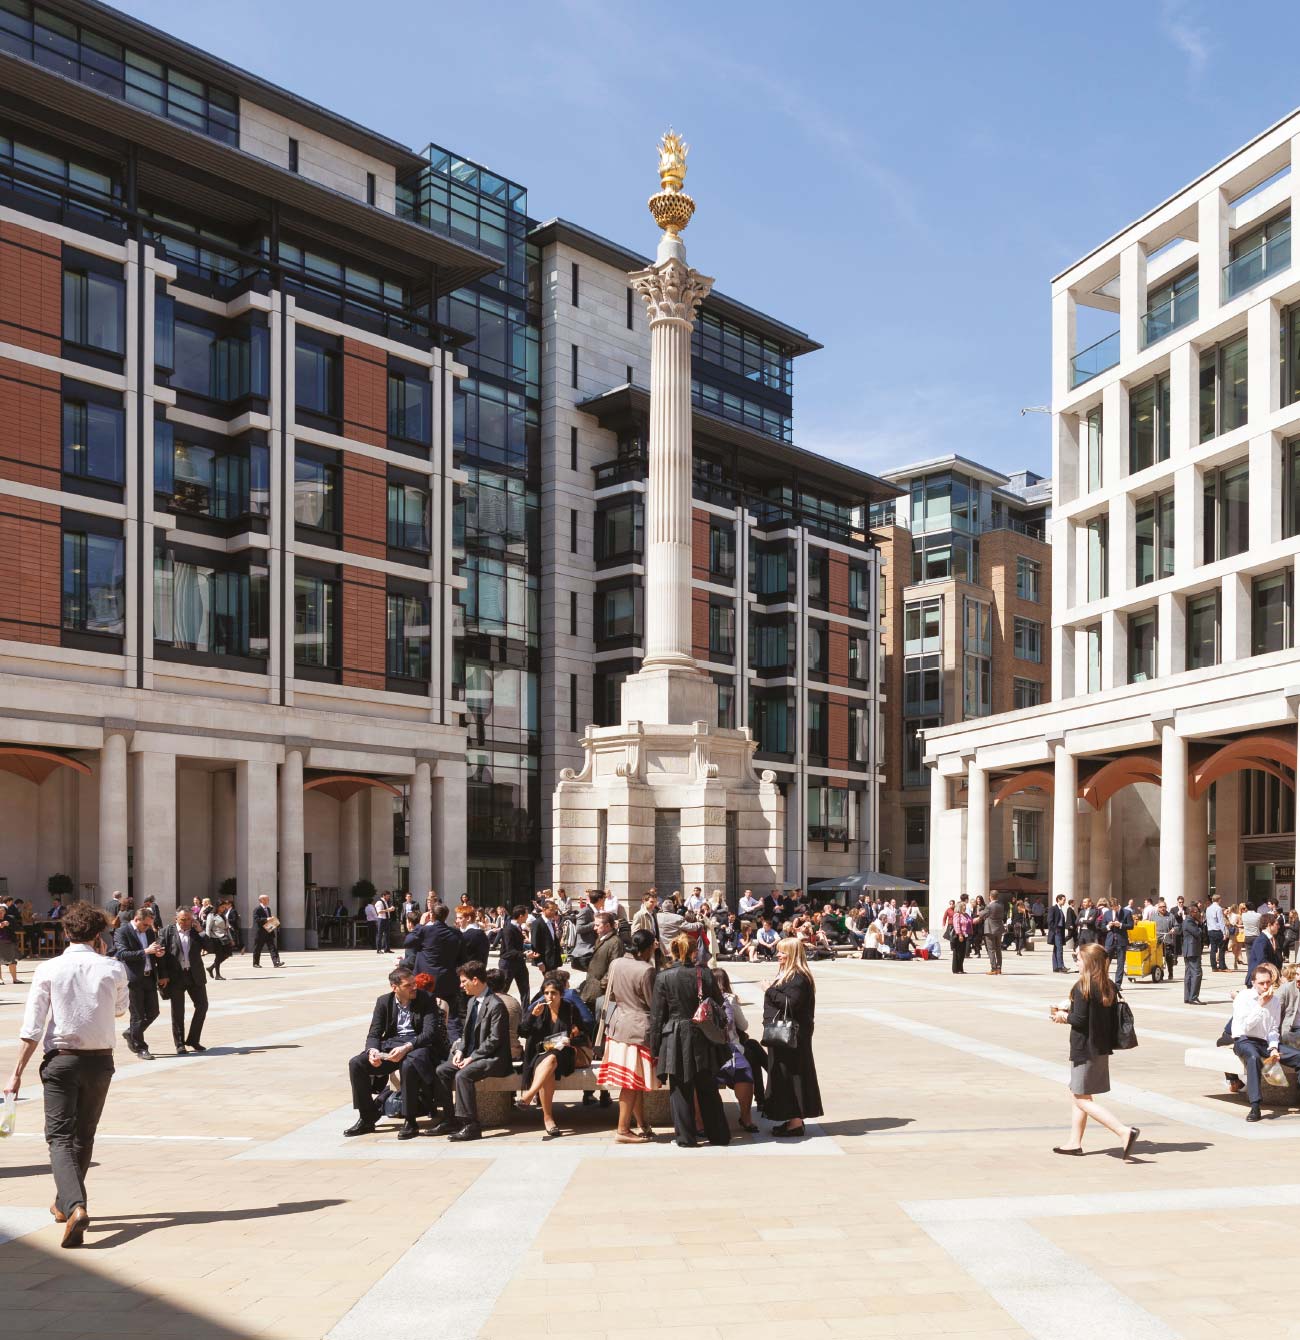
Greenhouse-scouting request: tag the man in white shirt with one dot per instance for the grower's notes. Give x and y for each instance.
(71, 1007)
(1214, 930)
(382, 912)
(749, 905)
(1256, 1030)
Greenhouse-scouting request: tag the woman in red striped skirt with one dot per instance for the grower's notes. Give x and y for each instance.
(628, 1065)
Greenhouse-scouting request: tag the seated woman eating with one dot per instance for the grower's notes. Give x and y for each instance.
(553, 1033)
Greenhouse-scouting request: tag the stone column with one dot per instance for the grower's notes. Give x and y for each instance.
(255, 838)
(349, 843)
(449, 805)
(379, 863)
(292, 911)
(112, 875)
(1099, 853)
(977, 830)
(421, 834)
(1196, 851)
(1065, 810)
(1173, 813)
(938, 820)
(155, 830)
(224, 860)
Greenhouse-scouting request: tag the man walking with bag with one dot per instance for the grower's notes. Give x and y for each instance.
(267, 924)
(72, 1005)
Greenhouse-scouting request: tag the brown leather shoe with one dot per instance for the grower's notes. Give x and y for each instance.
(59, 1216)
(75, 1229)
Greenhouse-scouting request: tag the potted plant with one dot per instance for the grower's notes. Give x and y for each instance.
(226, 889)
(364, 890)
(60, 884)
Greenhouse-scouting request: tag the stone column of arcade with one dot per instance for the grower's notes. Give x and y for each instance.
(292, 908)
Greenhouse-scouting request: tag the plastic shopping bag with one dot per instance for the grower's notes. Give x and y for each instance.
(8, 1115)
(1273, 1074)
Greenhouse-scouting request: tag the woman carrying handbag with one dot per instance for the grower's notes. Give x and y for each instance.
(788, 1009)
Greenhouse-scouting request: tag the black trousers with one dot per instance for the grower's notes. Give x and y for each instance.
(516, 970)
(381, 935)
(1252, 1051)
(682, 1097)
(1119, 965)
(419, 1078)
(194, 985)
(76, 1085)
(453, 1084)
(1218, 952)
(265, 940)
(1192, 975)
(223, 950)
(958, 945)
(144, 1008)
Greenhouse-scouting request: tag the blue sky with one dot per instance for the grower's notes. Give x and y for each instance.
(900, 181)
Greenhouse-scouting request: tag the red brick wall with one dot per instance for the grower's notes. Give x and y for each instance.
(700, 624)
(700, 547)
(837, 730)
(31, 289)
(30, 541)
(365, 506)
(30, 433)
(365, 393)
(837, 660)
(838, 572)
(365, 614)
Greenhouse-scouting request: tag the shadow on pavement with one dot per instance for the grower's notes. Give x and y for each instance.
(126, 1228)
(862, 1125)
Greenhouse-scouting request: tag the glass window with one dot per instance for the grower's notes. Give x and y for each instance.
(224, 365)
(316, 494)
(408, 517)
(1094, 445)
(203, 481)
(1258, 254)
(318, 380)
(1154, 539)
(859, 658)
(1025, 829)
(315, 622)
(1141, 648)
(1223, 389)
(1028, 640)
(94, 310)
(817, 727)
(619, 531)
(94, 594)
(977, 633)
(771, 718)
(859, 587)
(726, 706)
(93, 441)
(1291, 487)
(722, 551)
(1203, 630)
(618, 612)
(1271, 614)
(1029, 578)
(1098, 558)
(817, 648)
(977, 686)
(1026, 693)
(203, 608)
(922, 686)
(410, 407)
(1227, 512)
(1148, 409)
(916, 830)
(1092, 637)
(914, 771)
(408, 637)
(923, 626)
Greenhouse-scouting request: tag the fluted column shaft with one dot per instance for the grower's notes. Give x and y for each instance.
(293, 894)
(1065, 812)
(112, 815)
(421, 832)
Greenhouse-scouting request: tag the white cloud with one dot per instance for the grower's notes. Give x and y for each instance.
(1179, 24)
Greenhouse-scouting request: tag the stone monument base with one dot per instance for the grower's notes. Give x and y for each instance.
(669, 806)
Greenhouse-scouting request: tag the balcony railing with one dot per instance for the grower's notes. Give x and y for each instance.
(1175, 312)
(1095, 359)
(1270, 257)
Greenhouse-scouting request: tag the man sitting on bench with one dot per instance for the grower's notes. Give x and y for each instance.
(1256, 1030)
(407, 1034)
(483, 1050)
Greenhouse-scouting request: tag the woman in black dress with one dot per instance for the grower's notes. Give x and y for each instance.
(685, 1059)
(551, 1031)
(792, 1091)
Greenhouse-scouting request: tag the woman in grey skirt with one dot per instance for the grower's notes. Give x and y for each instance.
(1092, 1012)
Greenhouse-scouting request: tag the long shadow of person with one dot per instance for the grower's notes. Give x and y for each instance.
(127, 1227)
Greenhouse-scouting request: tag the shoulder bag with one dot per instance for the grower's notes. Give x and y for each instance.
(708, 1018)
(1126, 1036)
(782, 1032)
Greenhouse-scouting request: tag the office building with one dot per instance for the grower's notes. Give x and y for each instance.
(1175, 533)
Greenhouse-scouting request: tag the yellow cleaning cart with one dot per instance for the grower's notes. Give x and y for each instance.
(1146, 955)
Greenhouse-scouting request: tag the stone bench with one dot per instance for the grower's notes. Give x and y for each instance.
(1224, 1061)
(496, 1096)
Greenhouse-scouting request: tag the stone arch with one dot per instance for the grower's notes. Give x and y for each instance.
(1116, 775)
(35, 765)
(1043, 778)
(344, 785)
(1265, 751)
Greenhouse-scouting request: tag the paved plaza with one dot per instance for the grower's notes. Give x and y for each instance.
(225, 1202)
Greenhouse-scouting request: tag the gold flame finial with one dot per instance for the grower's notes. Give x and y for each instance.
(672, 207)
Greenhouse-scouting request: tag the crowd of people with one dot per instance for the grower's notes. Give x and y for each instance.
(653, 1010)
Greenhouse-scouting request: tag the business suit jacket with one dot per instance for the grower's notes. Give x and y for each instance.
(474, 945)
(426, 1016)
(603, 958)
(261, 915)
(681, 1048)
(439, 951)
(512, 943)
(493, 1044)
(546, 944)
(1056, 920)
(994, 920)
(171, 961)
(1262, 950)
(127, 951)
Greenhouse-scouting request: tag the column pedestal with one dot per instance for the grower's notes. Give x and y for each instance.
(292, 911)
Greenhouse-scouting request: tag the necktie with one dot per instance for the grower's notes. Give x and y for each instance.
(471, 1028)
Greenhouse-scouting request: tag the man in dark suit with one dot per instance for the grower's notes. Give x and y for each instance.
(584, 930)
(483, 1050)
(608, 948)
(473, 938)
(406, 1034)
(993, 923)
(182, 972)
(1056, 927)
(513, 962)
(546, 939)
(1264, 948)
(267, 935)
(1113, 926)
(136, 947)
(437, 949)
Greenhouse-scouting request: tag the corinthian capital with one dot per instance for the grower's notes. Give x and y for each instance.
(672, 291)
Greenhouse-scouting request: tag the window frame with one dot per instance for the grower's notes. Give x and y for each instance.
(1027, 634)
(1194, 606)
(1211, 386)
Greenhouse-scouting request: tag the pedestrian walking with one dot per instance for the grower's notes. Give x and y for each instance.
(789, 1007)
(1056, 924)
(961, 933)
(993, 923)
(1092, 1012)
(1193, 946)
(72, 1005)
(268, 926)
(1215, 928)
(216, 930)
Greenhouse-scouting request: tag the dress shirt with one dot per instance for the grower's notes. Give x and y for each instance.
(405, 1028)
(74, 999)
(1255, 1018)
(144, 944)
(184, 939)
(1250, 923)
(470, 1040)
(1214, 918)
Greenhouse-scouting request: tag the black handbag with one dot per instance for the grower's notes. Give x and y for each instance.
(782, 1032)
(1126, 1036)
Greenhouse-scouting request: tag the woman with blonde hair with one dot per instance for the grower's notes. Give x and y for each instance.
(1092, 1012)
(1235, 935)
(789, 1005)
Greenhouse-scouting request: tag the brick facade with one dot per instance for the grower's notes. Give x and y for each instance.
(30, 539)
(365, 628)
(700, 624)
(365, 393)
(700, 547)
(30, 412)
(365, 506)
(31, 289)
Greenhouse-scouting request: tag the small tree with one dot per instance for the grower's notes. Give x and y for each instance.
(226, 889)
(364, 890)
(60, 884)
